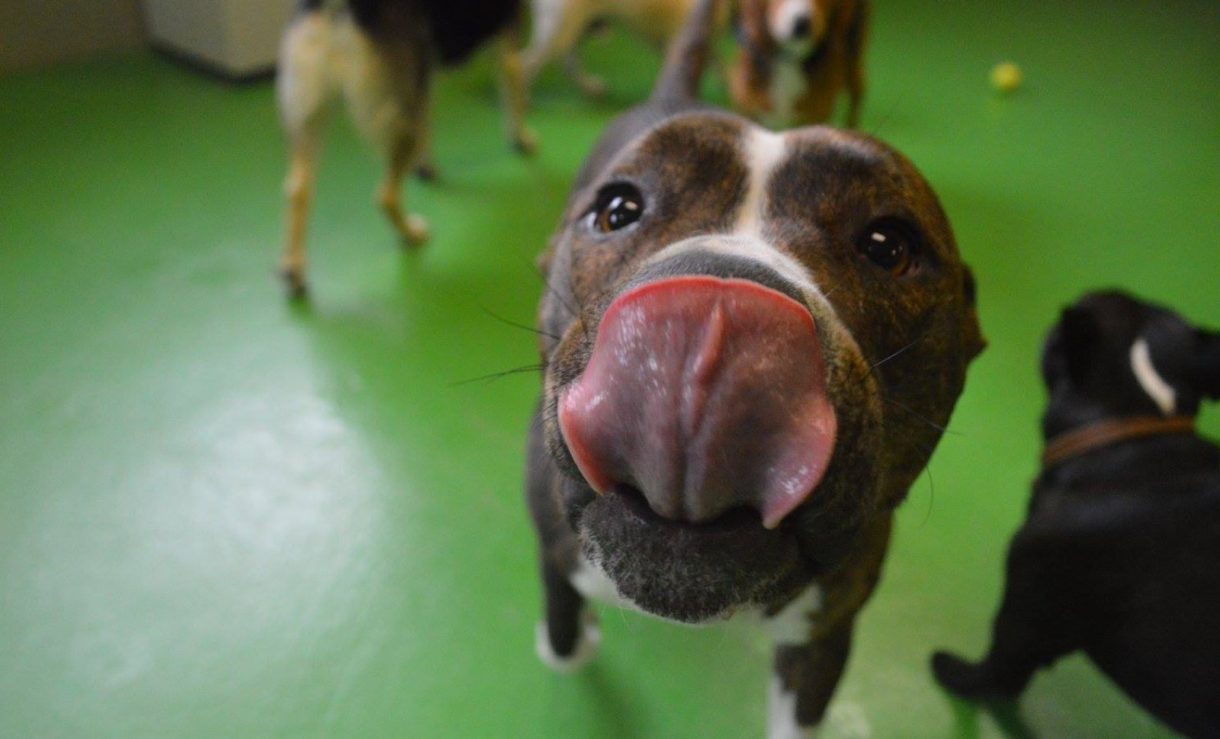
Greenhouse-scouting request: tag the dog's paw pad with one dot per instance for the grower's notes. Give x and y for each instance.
(586, 646)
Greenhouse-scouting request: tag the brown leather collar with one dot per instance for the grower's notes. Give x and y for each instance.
(1103, 433)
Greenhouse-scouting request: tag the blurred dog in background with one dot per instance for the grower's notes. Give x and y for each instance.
(796, 57)
(379, 55)
(560, 25)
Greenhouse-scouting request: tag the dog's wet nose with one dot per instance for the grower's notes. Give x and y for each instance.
(802, 25)
(705, 394)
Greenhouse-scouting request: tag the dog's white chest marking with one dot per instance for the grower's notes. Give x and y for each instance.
(793, 624)
(593, 583)
(1161, 392)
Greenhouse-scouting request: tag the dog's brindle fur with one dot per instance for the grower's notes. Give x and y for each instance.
(379, 56)
(1120, 554)
(724, 197)
(785, 76)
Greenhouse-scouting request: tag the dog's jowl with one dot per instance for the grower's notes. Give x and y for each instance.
(752, 343)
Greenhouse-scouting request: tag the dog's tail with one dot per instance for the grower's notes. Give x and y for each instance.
(687, 54)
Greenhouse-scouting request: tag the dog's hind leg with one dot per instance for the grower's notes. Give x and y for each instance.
(387, 92)
(304, 93)
(1032, 628)
(298, 191)
(425, 162)
(514, 98)
(401, 154)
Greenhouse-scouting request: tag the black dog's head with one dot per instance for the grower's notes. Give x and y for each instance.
(754, 342)
(1112, 356)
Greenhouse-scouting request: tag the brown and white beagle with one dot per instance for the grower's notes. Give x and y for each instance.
(796, 57)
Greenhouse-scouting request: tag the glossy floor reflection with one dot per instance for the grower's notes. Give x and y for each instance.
(225, 515)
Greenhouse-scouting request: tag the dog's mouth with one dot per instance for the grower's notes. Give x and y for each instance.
(704, 394)
(702, 421)
(739, 519)
(688, 572)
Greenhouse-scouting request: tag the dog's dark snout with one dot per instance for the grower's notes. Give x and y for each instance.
(711, 262)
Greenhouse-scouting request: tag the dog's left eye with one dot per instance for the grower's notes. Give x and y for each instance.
(890, 244)
(617, 206)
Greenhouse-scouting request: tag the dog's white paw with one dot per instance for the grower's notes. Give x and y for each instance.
(586, 645)
(781, 721)
(415, 230)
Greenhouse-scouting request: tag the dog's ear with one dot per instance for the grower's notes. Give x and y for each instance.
(1205, 369)
(975, 343)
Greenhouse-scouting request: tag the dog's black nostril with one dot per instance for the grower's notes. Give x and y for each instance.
(801, 27)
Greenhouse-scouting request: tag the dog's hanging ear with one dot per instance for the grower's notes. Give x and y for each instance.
(975, 343)
(1205, 369)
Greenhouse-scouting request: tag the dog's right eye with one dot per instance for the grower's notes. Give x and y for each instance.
(890, 244)
(617, 206)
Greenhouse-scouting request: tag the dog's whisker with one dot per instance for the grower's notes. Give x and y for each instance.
(921, 417)
(522, 326)
(499, 375)
(896, 354)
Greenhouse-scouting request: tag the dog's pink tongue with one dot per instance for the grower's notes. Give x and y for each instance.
(704, 394)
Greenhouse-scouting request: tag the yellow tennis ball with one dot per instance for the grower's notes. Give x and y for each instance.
(1005, 77)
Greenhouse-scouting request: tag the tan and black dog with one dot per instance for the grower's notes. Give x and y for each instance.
(559, 26)
(752, 342)
(379, 56)
(1120, 554)
(796, 57)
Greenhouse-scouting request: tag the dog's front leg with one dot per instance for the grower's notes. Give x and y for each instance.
(805, 677)
(812, 637)
(569, 636)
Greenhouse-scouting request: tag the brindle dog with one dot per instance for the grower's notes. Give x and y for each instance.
(752, 343)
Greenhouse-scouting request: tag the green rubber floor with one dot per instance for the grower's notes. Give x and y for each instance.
(224, 515)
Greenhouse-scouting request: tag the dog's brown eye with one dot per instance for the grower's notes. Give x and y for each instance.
(617, 206)
(890, 244)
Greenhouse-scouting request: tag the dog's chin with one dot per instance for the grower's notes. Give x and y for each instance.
(693, 573)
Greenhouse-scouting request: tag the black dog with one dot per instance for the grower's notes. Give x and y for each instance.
(1120, 555)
